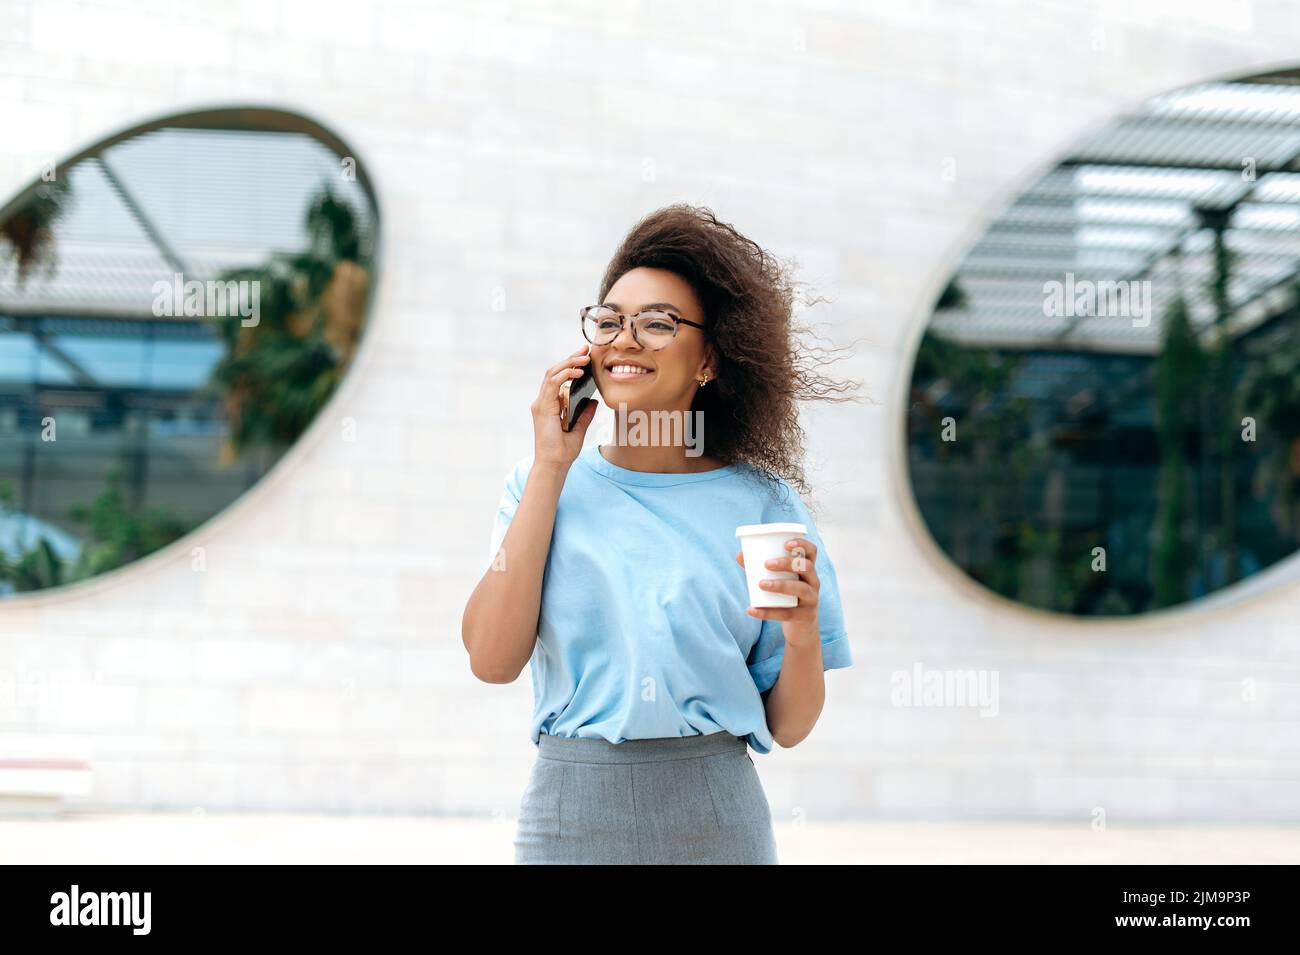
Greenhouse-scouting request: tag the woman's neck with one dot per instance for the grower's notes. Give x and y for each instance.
(658, 459)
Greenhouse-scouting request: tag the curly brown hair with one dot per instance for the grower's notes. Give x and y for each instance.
(748, 297)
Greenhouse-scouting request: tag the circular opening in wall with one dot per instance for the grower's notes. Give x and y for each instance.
(177, 303)
(1104, 411)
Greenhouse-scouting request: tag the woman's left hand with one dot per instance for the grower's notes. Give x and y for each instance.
(799, 623)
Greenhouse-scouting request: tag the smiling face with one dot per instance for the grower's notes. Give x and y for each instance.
(672, 373)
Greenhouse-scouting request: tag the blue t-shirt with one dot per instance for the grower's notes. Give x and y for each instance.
(643, 631)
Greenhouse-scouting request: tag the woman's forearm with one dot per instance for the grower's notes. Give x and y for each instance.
(796, 700)
(499, 626)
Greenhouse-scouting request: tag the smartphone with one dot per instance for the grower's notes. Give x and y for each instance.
(574, 395)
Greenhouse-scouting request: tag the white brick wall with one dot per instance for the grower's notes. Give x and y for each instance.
(316, 663)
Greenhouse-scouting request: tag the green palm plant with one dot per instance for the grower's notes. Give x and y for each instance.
(276, 375)
(35, 569)
(39, 566)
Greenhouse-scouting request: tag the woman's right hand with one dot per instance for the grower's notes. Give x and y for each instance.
(552, 445)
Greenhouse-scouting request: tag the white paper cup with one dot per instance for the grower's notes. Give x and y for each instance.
(759, 543)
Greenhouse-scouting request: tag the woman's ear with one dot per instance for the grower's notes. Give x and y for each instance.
(710, 363)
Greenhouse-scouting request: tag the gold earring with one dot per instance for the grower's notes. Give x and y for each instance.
(705, 380)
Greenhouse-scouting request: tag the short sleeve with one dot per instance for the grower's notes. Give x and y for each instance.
(769, 650)
(512, 493)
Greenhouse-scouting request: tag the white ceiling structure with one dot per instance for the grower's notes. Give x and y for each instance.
(1128, 209)
(214, 199)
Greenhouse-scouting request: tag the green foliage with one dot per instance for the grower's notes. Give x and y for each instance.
(116, 535)
(994, 454)
(278, 374)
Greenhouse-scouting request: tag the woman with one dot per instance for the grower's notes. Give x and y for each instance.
(614, 568)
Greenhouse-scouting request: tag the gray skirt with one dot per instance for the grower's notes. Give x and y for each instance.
(673, 800)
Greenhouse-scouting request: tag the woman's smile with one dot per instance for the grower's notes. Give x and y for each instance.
(628, 373)
(627, 370)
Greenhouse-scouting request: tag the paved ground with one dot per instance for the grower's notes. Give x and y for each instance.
(238, 838)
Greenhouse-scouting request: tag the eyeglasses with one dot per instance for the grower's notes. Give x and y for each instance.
(653, 328)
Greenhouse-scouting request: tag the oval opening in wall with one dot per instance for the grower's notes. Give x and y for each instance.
(177, 303)
(1104, 413)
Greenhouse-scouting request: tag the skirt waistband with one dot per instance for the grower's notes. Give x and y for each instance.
(582, 750)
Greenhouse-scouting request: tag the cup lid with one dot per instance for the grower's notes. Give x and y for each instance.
(789, 528)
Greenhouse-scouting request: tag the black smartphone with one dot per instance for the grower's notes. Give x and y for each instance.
(574, 395)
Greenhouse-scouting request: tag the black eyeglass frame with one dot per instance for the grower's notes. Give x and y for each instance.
(677, 320)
